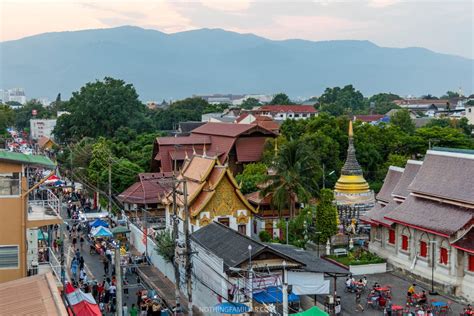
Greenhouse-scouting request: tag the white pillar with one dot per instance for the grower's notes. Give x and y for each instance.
(284, 290)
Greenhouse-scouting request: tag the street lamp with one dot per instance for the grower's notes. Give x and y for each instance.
(250, 277)
(433, 260)
(324, 175)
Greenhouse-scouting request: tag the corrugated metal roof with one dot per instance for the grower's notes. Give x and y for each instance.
(21, 158)
(288, 108)
(411, 169)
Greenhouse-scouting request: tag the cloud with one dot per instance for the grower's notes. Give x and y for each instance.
(382, 3)
(227, 5)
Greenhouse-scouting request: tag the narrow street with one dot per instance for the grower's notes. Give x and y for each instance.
(95, 269)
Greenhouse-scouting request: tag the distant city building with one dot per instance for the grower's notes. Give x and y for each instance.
(42, 127)
(13, 95)
(262, 98)
(470, 113)
(44, 101)
(434, 107)
(283, 112)
(153, 105)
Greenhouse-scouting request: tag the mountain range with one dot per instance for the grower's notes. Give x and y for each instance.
(208, 61)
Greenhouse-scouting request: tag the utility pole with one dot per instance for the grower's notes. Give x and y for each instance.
(188, 250)
(175, 240)
(250, 274)
(284, 290)
(324, 177)
(145, 226)
(61, 233)
(118, 274)
(109, 206)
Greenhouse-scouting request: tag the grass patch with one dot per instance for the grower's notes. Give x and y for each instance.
(357, 257)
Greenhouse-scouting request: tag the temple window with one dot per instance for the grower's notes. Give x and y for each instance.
(391, 236)
(242, 228)
(443, 255)
(423, 249)
(405, 242)
(470, 263)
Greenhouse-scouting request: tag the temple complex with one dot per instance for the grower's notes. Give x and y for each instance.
(352, 193)
(425, 225)
(212, 195)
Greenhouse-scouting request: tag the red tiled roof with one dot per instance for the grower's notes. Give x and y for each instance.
(222, 144)
(431, 215)
(249, 148)
(368, 118)
(241, 117)
(288, 108)
(261, 118)
(147, 191)
(224, 129)
(270, 125)
(43, 141)
(188, 140)
(256, 199)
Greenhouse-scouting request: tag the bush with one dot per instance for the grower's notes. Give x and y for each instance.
(358, 256)
(265, 236)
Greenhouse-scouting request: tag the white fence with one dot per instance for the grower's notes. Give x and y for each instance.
(136, 239)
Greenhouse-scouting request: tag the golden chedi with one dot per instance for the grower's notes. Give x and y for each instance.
(352, 188)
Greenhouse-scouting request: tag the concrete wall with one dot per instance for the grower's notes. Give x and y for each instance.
(136, 239)
(368, 269)
(453, 278)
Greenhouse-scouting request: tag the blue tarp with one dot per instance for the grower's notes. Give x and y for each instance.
(99, 222)
(231, 308)
(102, 232)
(273, 295)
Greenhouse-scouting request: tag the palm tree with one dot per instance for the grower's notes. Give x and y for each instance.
(293, 177)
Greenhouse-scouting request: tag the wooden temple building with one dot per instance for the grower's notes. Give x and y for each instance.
(233, 144)
(425, 226)
(352, 193)
(212, 195)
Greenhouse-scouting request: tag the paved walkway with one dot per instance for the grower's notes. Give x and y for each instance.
(399, 286)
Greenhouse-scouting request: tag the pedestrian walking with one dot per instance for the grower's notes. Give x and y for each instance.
(81, 241)
(81, 262)
(358, 301)
(124, 309)
(133, 310)
(74, 266)
(106, 266)
(83, 276)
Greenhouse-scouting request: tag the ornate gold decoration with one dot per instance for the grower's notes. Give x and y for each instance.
(204, 221)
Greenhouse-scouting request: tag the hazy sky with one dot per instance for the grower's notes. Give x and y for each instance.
(443, 26)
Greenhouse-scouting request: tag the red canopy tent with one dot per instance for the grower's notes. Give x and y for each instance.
(85, 308)
(69, 288)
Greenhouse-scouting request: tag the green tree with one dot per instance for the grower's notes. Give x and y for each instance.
(250, 103)
(189, 109)
(294, 176)
(253, 174)
(450, 95)
(280, 99)
(7, 117)
(25, 113)
(429, 97)
(99, 109)
(384, 102)
(403, 120)
(165, 245)
(347, 100)
(326, 216)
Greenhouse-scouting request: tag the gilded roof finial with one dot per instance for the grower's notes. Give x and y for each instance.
(194, 151)
(204, 151)
(351, 132)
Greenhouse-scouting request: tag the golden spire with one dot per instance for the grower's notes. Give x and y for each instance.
(352, 179)
(204, 151)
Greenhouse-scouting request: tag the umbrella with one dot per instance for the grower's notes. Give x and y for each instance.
(120, 230)
(42, 235)
(102, 232)
(313, 311)
(272, 295)
(231, 308)
(52, 179)
(99, 222)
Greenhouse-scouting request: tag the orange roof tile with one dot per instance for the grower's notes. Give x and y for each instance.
(36, 295)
